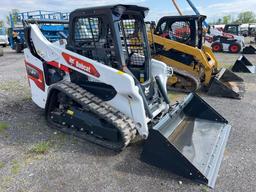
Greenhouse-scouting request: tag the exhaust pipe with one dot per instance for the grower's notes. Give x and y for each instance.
(227, 84)
(243, 65)
(189, 141)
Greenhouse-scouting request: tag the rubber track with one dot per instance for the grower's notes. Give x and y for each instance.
(95, 105)
(187, 75)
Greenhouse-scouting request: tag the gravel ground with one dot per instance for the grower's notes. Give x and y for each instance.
(36, 158)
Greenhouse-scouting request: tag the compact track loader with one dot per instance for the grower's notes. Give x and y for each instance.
(178, 42)
(102, 86)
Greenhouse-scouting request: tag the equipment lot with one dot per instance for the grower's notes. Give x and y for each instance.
(34, 157)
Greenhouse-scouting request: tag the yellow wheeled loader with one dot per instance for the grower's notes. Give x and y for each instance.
(102, 86)
(178, 42)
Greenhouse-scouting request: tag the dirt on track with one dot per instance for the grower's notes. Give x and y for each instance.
(34, 157)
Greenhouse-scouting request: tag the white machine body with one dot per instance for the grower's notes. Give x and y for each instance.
(57, 55)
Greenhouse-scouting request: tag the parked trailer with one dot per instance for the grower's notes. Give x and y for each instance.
(3, 37)
(3, 40)
(50, 30)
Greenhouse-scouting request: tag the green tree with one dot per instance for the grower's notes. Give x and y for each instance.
(219, 21)
(246, 17)
(233, 19)
(1, 23)
(13, 12)
(226, 19)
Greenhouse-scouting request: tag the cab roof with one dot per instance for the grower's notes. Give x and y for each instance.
(95, 10)
(184, 17)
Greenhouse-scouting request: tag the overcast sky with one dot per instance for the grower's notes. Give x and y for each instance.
(212, 8)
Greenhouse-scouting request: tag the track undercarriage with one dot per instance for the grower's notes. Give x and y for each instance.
(73, 110)
(184, 82)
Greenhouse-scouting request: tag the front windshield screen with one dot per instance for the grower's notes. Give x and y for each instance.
(133, 40)
(134, 45)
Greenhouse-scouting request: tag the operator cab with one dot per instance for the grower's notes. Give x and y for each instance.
(233, 29)
(184, 29)
(113, 35)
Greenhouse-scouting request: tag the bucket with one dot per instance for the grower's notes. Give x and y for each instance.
(243, 65)
(227, 84)
(189, 141)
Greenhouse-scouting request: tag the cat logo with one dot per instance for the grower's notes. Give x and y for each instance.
(147, 90)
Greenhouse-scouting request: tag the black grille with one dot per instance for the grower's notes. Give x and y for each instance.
(87, 29)
(94, 39)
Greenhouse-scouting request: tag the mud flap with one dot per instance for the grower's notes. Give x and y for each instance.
(243, 65)
(249, 50)
(227, 84)
(189, 141)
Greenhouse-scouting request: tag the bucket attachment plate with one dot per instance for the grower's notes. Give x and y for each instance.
(249, 50)
(227, 84)
(189, 141)
(243, 65)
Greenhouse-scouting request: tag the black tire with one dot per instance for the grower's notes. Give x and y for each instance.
(4, 45)
(234, 48)
(18, 48)
(217, 47)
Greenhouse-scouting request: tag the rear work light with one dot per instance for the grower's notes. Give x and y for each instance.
(36, 75)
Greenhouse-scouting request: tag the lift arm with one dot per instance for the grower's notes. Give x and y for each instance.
(204, 56)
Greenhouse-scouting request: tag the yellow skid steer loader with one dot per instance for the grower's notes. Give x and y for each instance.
(178, 42)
